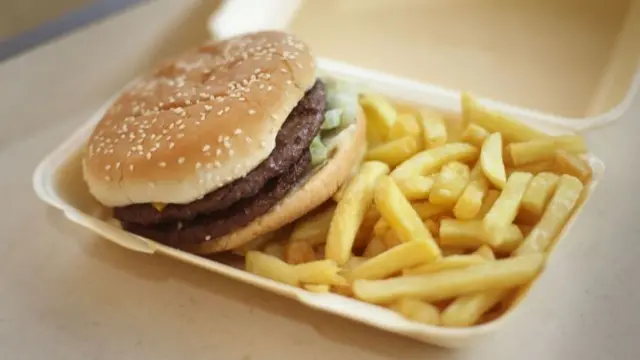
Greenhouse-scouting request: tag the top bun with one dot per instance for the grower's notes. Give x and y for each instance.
(199, 121)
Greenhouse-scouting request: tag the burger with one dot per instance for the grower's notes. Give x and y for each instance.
(225, 144)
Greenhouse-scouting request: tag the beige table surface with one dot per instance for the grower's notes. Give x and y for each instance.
(66, 294)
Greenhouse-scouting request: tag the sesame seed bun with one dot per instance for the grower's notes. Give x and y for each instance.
(199, 121)
(346, 151)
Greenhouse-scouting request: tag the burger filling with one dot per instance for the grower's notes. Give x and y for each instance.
(299, 148)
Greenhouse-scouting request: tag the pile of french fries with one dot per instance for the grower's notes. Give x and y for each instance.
(442, 223)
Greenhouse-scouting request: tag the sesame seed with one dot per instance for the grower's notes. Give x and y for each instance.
(248, 139)
(251, 111)
(230, 152)
(171, 145)
(181, 160)
(108, 167)
(131, 167)
(148, 156)
(206, 147)
(180, 135)
(198, 165)
(217, 164)
(107, 178)
(208, 237)
(118, 165)
(237, 131)
(218, 152)
(162, 164)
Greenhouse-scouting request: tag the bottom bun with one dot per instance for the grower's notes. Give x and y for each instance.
(346, 151)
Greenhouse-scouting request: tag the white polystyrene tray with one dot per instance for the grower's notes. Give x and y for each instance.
(617, 82)
(58, 181)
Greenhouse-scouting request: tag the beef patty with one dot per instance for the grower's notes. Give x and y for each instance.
(293, 139)
(211, 226)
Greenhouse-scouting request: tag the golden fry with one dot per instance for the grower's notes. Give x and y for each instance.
(475, 135)
(536, 197)
(433, 227)
(275, 249)
(406, 125)
(351, 210)
(449, 184)
(298, 252)
(505, 209)
(555, 216)
(381, 116)
(427, 210)
(499, 274)
(545, 148)
(470, 202)
(511, 129)
(392, 261)
(270, 267)
(570, 164)
(535, 168)
(468, 309)
(485, 252)
(492, 162)
(393, 152)
(317, 288)
(468, 234)
(487, 203)
(403, 219)
(313, 229)
(416, 187)
(446, 263)
(381, 227)
(390, 239)
(319, 272)
(376, 246)
(364, 234)
(429, 161)
(433, 128)
(417, 310)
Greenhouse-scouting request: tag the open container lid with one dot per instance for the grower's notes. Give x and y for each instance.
(571, 64)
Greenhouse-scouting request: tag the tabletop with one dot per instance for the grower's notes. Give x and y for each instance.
(67, 294)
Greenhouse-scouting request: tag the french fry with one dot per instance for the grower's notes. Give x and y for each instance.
(376, 246)
(433, 227)
(499, 274)
(406, 125)
(313, 229)
(468, 234)
(317, 288)
(535, 168)
(353, 262)
(452, 251)
(275, 249)
(381, 227)
(470, 201)
(270, 267)
(344, 290)
(544, 149)
(505, 209)
(570, 164)
(392, 261)
(319, 272)
(554, 218)
(475, 135)
(351, 210)
(449, 184)
(525, 229)
(467, 310)
(381, 116)
(446, 263)
(390, 239)
(298, 252)
(492, 162)
(433, 128)
(427, 210)
(393, 152)
(416, 187)
(417, 310)
(487, 203)
(364, 234)
(485, 252)
(536, 197)
(511, 129)
(403, 219)
(429, 161)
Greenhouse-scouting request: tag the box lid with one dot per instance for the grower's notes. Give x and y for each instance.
(567, 63)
